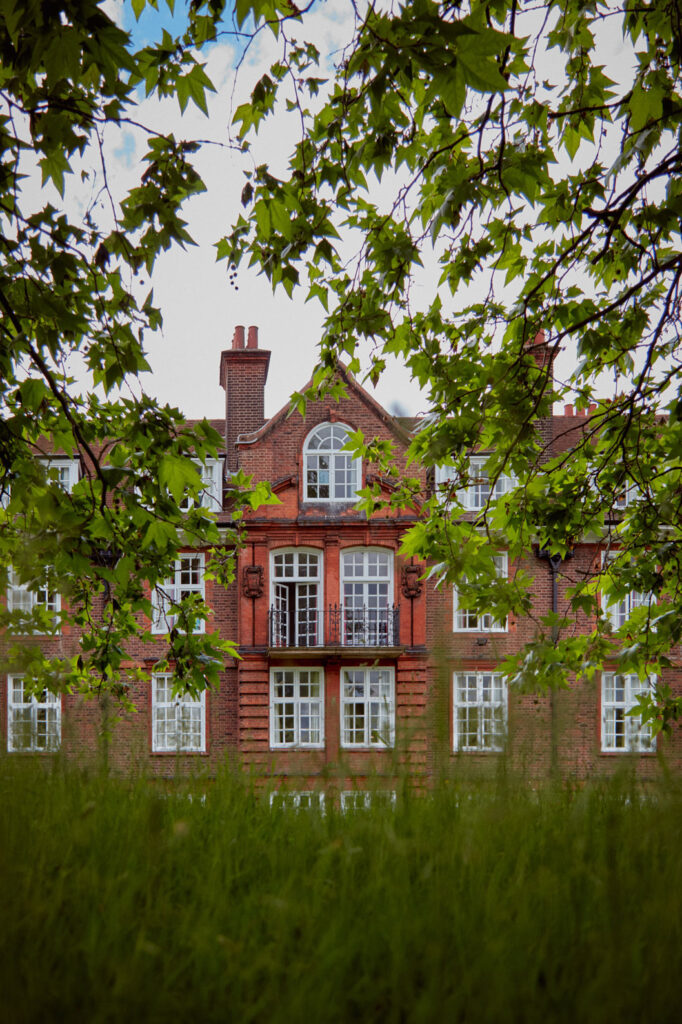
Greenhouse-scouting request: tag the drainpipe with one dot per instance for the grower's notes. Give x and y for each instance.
(554, 562)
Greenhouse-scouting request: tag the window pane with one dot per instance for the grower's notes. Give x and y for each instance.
(480, 711)
(297, 707)
(622, 731)
(368, 707)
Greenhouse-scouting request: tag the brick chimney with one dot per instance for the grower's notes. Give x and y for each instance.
(542, 352)
(243, 372)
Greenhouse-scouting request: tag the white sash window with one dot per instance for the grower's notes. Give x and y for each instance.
(467, 620)
(479, 711)
(622, 732)
(26, 597)
(187, 579)
(211, 494)
(367, 707)
(34, 723)
(480, 490)
(297, 707)
(178, 720)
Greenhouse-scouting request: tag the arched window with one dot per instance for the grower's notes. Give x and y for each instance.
(330, 474)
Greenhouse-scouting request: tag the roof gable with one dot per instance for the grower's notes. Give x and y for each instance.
(396, 428)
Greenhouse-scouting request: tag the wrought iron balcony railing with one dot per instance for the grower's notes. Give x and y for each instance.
(335, 626)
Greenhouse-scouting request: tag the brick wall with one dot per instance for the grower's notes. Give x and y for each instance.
(542, 729)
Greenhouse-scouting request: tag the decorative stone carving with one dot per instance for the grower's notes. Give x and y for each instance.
(253, 581)
(411, 584)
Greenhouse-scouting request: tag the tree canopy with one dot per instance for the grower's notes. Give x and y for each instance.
(69, 291)
(531, 154)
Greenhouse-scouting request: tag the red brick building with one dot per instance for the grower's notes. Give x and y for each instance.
(352, 669)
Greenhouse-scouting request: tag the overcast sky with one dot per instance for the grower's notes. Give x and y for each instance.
(200, 307)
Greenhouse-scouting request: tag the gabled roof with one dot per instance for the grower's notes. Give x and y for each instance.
(395, 425)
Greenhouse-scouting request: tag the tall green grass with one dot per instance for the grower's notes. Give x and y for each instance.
(121, 902)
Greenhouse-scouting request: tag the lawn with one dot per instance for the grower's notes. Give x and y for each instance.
(123, 901)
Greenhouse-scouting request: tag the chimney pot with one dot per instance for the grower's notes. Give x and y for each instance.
(592, 408)
(243, 372)
(568, 410)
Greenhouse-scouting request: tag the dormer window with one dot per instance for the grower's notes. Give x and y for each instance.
(330, 473)
(481, 489)
(211, 494)
(65, 472)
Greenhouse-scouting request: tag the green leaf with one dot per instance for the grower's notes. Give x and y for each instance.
(483, 75)
(262, 213)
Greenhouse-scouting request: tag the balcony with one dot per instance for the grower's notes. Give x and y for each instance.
(334, 628)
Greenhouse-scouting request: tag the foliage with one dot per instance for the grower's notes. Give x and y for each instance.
(69, 291)
(467, 904)
(504, 145)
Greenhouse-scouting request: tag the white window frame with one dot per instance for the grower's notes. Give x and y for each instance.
(340, 464)
(47, 712)
(300, 706)
(302, 624)
(478, 494)
(622, 733)
(298, 799)
(489, 707)
(211, 494)
(22, 598)
(68, 471)
(443, 475)
(68, 475)
(374, 627)
(172, 590)
(367, 711)
(362, 799)
(618, 612)
(177, 710)
(627, 496)
(465, 620)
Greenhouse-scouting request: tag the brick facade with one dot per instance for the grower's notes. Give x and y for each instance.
(389, 667)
